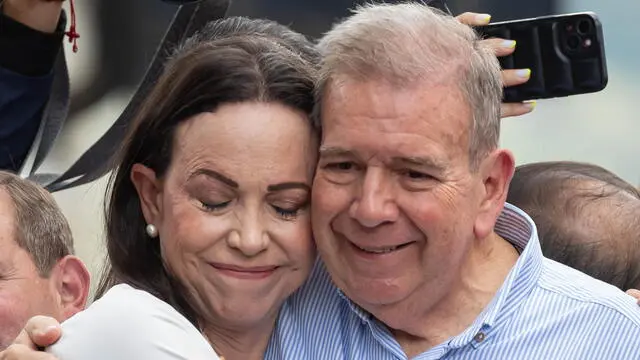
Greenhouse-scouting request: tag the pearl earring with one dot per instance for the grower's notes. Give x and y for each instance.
(152, 231)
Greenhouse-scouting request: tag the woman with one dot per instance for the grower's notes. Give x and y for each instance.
(207, 221)
(207, 217)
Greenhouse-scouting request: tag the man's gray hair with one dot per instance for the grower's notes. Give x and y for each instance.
(412, 44)
(40, 227)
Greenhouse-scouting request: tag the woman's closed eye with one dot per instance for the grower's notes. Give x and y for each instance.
(213, 206)
(290, 209)
(286, 213)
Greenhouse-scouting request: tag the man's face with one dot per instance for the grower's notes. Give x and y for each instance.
(394, 200)
(23, 293)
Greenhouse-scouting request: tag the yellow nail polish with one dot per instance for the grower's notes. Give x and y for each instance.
(531, 104)
(524, 73)
(509, 44)
(483, 18)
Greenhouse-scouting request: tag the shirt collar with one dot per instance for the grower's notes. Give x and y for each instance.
(515, 226)
(355, 308)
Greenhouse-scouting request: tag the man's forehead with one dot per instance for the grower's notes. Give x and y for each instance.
(385, 98)
(438, 111)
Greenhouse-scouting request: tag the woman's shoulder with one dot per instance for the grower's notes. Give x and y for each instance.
(124, 306)
(137, 303)
(128, 323)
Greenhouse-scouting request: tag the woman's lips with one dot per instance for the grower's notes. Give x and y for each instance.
(244, 272)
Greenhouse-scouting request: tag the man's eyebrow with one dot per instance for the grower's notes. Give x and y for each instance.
(335, 151)
(421, 161)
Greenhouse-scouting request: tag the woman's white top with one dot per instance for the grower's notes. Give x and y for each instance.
(130, 324)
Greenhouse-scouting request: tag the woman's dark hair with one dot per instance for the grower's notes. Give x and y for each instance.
(229, 61)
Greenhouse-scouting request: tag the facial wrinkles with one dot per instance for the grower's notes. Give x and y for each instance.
(201, 156)
(403, 136)
(14, 262)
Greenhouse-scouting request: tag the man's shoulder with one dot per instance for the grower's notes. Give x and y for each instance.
(566, 290)
(568, 315)
(316, 322)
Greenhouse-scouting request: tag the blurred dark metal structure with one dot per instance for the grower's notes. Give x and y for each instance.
(129, 31)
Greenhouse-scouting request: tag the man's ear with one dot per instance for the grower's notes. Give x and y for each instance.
(149, 191)
(496, 171)
(72, 281)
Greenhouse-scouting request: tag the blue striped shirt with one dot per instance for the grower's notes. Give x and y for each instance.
(544, 310)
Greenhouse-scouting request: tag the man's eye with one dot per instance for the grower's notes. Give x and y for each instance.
(416, 175)
(214, 207)
(340, 166)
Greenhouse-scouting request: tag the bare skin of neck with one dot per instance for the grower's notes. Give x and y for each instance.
(485, 269)
(240, 344)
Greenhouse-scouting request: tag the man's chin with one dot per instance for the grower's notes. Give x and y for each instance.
(374, 295)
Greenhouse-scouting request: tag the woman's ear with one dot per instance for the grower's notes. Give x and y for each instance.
(149, 190)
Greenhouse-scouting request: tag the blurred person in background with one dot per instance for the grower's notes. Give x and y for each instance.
(31, 33)
(39, 275)
(587, 217)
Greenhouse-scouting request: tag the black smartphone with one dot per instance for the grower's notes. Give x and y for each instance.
(564, 52)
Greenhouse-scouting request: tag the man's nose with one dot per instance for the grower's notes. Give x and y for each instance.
(376, 203)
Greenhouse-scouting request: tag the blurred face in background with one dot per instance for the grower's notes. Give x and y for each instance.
(23, 292)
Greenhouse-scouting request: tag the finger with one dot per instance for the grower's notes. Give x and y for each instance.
(515, 77)
(474, 19)
(21, 352)
(635, 293)
(501, 47)
(517, 109)
(40, 331)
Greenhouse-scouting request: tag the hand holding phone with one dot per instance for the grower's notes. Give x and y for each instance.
(510, 77)
(565, 54)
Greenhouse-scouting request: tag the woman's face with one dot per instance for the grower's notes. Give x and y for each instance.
(232, 211)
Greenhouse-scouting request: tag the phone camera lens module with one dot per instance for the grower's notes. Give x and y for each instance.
(584, 27)
(573, 42)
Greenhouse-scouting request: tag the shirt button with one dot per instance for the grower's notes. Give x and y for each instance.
(479, 337)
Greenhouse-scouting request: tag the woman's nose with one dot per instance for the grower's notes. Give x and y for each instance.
(251, 239)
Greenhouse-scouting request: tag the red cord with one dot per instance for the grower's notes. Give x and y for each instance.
(72, 34)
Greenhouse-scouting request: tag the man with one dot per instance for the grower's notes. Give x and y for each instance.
(30, 39)
(409, 214)
(38, 273)
(587, 218)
